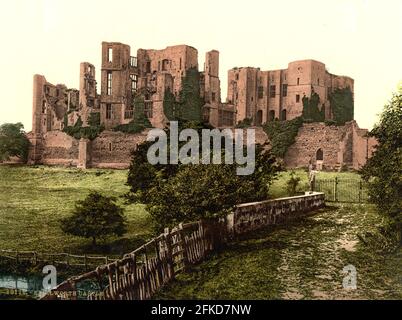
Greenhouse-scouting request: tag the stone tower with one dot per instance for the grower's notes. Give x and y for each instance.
(118, 72)
(212, 88)
(88, 96)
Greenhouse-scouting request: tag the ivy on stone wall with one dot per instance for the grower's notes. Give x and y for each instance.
(342, 105)
(311, 111)
(282, 134)
(245, 123)
(78, 131)
(140, 121)
(94, 119)
(189, 104)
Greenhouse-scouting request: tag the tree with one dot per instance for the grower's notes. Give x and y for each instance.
(95, 217)
(383, 170)
(13, 142)
(185, 193)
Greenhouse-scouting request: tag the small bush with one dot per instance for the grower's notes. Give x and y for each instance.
(292, 184)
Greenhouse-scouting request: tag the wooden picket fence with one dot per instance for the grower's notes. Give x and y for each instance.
(67, 259)
(141, 273)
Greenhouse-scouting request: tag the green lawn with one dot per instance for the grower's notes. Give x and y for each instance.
(301, 260)
(34, 199)
(278, 188)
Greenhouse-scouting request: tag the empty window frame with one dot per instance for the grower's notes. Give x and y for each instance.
(148, 109)
(134, 83)
(284, 90)
(110, 54)
(260, 92)
(109, 83)
(109, 111)
(133, 62)
(213, 96)
(272, 91)
(297, 98)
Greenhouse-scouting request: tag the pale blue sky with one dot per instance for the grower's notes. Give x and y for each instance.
(358, 38)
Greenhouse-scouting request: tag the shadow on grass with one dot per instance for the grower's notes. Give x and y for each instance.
(115, 248)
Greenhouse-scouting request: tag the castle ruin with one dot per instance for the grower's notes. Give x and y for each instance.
(259, 96)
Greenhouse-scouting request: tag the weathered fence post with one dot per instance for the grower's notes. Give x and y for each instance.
(169, 257)
(336, 190)
(183, 246)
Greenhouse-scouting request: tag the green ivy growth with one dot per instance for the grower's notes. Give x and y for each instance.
(311, 112)
(189, 104)
(245, 123)
(94, 119)
(282, 134)
(140, 121)
(342, 105)
(78, 131)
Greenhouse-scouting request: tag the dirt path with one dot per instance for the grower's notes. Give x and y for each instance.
(302, 260)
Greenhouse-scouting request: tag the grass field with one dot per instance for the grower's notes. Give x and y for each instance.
(301, 260)
(34, 199)
(278, 188)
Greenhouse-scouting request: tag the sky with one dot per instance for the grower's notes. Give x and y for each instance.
(358, 38)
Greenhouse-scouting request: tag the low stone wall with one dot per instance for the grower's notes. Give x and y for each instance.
(252, 216)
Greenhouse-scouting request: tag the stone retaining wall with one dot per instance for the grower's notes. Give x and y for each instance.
(252, 216)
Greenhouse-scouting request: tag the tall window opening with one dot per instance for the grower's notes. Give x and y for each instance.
(109, 111)
(110, 55)
(109, 83)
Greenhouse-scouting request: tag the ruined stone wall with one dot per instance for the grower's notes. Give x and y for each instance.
(113, 149)
(59, 149)
(345, 145)
(278, 94)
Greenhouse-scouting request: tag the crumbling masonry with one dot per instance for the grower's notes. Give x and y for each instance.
(259, 96)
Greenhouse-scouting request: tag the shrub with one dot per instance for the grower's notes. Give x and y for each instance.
(95, 217)
(292, 184)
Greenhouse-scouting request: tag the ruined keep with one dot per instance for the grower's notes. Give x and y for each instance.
(264, 96)
(59, 113)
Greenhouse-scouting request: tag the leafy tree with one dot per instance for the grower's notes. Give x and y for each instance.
(95, 217)
(383, 170)
(13, 142)
(183, 193)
